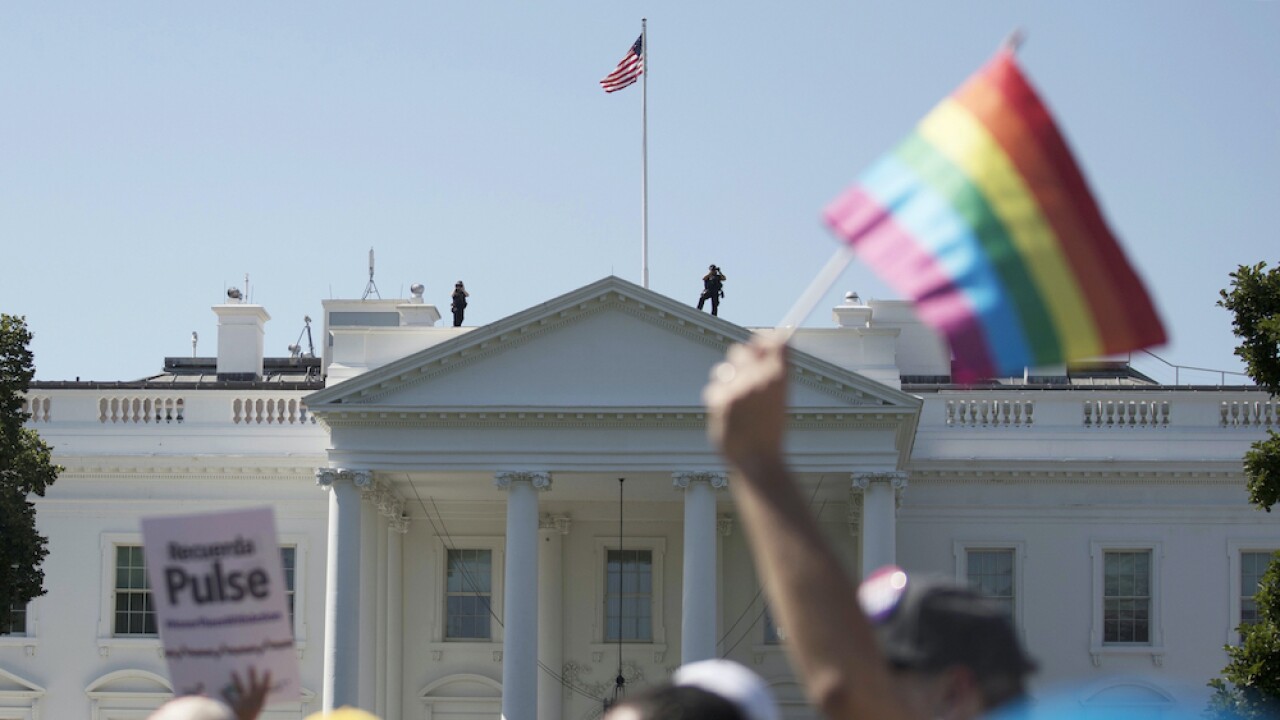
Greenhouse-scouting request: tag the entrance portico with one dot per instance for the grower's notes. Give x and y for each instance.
(500, 451)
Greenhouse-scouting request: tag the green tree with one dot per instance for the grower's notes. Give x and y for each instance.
(1254, 300)
(1250, 683)
(25, 468)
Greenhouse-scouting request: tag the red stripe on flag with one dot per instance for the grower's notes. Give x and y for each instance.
(1142, 322)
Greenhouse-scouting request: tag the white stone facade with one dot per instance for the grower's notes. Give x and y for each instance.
(444, 473)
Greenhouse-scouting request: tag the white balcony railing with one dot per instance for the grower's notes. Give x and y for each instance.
(1126, 413)
(1250, 414)
(67, 407)
(141, 409)
(268, 411)
(990, 413)
(39, 407)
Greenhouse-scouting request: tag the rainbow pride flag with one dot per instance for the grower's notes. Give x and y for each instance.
(983, 219)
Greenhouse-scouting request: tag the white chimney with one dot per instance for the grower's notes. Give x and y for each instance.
(240, 338)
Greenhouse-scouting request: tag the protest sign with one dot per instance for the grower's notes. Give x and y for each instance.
(218, 587)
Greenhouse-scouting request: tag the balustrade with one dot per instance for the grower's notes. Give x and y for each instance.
(270, 411)
(39, 406)
(1126, 413)
(990, 413)
(141, 410)
(1249, 414)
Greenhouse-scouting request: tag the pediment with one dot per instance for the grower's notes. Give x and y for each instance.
(129, 682)
(11, 684)
(609, 345)
(462, 685)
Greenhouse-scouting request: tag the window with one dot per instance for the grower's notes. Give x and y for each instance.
(993, 568)
(1126, 599)
(468, 594)
(289, 557)
(990, 573)
(628, 597)
(134, 613)
(1253, 565)
(17, 621)
(628, 593)
(1126, 591)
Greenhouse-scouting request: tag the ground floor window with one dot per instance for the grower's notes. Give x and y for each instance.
(628, 596)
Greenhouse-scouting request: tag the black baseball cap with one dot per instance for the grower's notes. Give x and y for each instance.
(931, 623)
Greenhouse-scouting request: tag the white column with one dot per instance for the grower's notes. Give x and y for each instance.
(369, 572)
(384, 628)
(551, 532)
(520, 594)
(395, 616)
(879, 517)
(853, 515)
(698, 602)
(341, 674)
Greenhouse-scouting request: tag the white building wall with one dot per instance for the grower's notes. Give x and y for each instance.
(1057, 474)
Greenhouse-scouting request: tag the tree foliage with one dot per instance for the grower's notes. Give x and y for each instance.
(1250, 684)
(26, 468)
(1254, 301)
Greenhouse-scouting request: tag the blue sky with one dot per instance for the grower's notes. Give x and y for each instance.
(153, 153)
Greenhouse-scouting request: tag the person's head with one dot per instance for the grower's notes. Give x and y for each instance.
(193, 707)
(458, 285)
(953, 652)
(713, 268)
(706, 690)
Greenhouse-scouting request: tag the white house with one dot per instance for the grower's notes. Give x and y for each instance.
(505, 519)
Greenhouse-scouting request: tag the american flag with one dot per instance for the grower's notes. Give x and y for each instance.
(630, 68)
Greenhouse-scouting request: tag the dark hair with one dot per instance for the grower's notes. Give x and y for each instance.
(682, 702)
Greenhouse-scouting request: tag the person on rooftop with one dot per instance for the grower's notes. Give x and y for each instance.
(712, 289)
(459, 303)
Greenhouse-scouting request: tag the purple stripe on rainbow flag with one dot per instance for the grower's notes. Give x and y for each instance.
(914, 272)
(1004, 141)
(926, 216)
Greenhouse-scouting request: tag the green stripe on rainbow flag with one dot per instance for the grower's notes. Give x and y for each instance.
(993, 185)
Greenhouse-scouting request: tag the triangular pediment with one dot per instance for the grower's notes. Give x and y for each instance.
(609, 345)
(11, 684)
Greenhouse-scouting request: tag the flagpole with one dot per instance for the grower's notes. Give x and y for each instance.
(644, 156)
(818, 288)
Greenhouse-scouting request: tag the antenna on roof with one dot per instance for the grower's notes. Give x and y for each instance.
(372, 287)
(247, 296)
(194, 339)
(295, 350)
